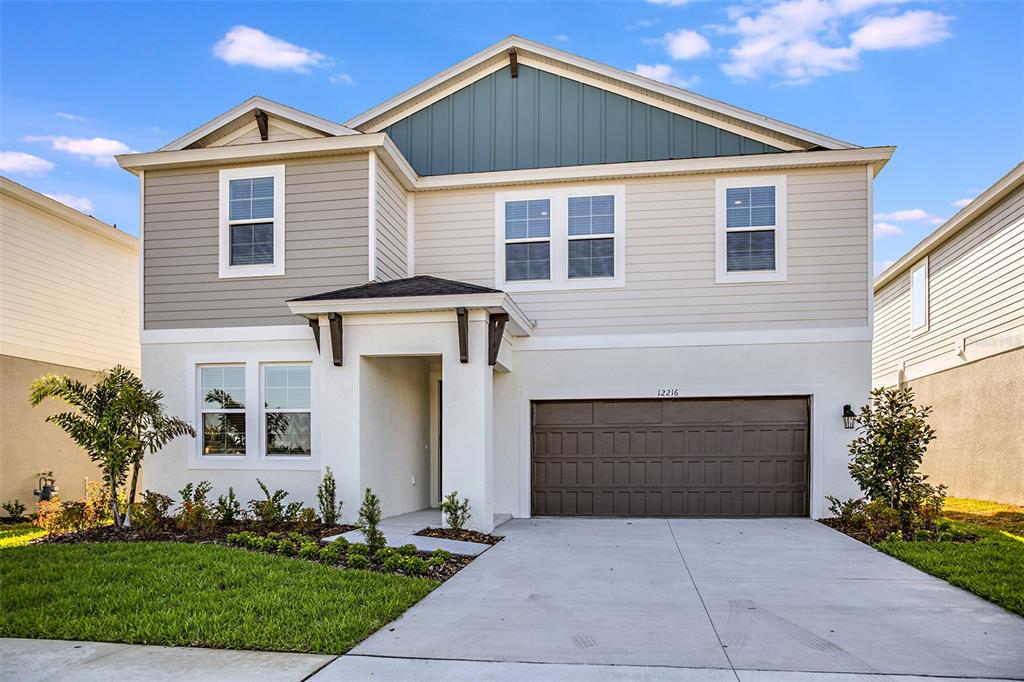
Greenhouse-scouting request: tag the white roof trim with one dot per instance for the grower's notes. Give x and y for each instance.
(273, 108)
(679, 94)
(1002, 187)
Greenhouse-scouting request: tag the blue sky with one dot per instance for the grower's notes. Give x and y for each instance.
(940, 80)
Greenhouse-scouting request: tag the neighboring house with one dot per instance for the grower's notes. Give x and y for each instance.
(949, 323)
(68, 305)
(550, 285)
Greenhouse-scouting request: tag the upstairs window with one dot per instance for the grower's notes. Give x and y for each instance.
(750, 226)
(252, 222)
(591, 236)
(528, 240)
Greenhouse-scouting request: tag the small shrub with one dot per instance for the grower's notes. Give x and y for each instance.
(357, 560)
(393, 562)
(233, 538)
(151, 512)
(358, 548)
(441, 554)
(14, 508)
(414, 565)
(274, 535)
(436, 562)
(270, 510)
(293, 510)
(287, 548)
(299, 538)
(309, 550)
(456, 514)
(56, 516)
(307, 519)
(229, 509)
(868, 521)
(369, 520)
(332, 553)
(408, 549)
(384, 553)
(196, 513)
(326, 497)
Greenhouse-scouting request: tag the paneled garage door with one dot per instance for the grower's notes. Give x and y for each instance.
(708, 457)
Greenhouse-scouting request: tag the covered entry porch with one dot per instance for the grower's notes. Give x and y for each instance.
(405, 390)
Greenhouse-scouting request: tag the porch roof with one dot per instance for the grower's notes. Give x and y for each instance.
(413, 294)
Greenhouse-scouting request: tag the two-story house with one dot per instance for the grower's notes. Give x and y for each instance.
(553, 286)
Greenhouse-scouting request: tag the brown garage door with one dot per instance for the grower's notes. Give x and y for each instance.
(708, 457)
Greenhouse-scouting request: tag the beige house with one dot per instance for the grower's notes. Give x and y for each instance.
(68, 305)
(556, 287)
(949, 323)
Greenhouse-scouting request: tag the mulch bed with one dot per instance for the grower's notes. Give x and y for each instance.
(862, 534)
(462, 535)
(216, 534)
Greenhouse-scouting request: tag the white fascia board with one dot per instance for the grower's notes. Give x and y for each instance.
(1002, 187)
(520, 325)
(271, 107)
(691, 98)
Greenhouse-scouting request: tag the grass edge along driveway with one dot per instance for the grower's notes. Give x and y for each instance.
(992, 568)
(195, 595)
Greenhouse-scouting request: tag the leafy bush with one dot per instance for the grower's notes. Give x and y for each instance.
(244, 538)
(886, 458)
(309, 550)
(384, 553)
(151, 512)
(393, 562)
(369, 520)
(436, 562)
(415, 565)
(357, 560)
(327, 499)
(863, 519)
(14, 508)
(408, 549)
(333, 552)
(358, 548)
(91, 511)
(287, 548)
(229, 509)
(456, 514)
(270, 510)
(196, 511)
(442, 554)
(306, 517)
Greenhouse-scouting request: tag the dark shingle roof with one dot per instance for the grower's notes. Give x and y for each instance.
(420, 285)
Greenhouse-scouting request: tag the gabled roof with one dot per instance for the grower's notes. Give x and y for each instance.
(420, 285)
(964, 217)
(243, 114)
(484, 62)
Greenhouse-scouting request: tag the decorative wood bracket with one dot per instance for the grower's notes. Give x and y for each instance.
(263, 122)
(513, 62)
(463, 316)
(495, 331)
(335, 321)
(314, 324)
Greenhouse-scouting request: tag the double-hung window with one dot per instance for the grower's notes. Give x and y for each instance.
(750, 229)
(222, 396)
(287, 410)
(560, 238)
(252, 221)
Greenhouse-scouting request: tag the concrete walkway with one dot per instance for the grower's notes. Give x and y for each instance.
(400, 530)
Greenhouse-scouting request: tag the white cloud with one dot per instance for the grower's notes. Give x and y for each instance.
(665, 74)
(905, 215)
(342, 79)
(78, 203)
(562, 38)
(70, 117)
(686, 44)
(253, 47)
(960, 203)
(99, 150)
(884, 229)
(910, 29)
(882, 266)
(643, 23)
(668, 3)
(23, 164)
(801, 40)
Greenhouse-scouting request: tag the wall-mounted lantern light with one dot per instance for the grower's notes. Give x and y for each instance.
(849, 417)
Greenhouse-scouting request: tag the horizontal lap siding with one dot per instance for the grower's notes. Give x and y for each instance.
(976, 282)
(670, 260)
(326, 245)
(391, 231)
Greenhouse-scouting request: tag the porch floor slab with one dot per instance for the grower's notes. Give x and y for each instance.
(401, 530)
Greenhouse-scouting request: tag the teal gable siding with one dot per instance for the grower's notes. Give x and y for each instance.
(540, 120)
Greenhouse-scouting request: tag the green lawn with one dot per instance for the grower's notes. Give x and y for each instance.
(18, 534)
(195, 595)
(992, 568)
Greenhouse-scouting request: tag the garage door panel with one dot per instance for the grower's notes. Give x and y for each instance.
(733, 457)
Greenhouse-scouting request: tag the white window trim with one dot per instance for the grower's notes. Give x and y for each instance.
(559, 238)
(263, 411)
(722, 275)
(255, 457)
(915, 331)
(275, 269)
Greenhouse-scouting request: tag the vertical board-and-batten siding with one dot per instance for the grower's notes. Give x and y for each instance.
(670, 259)
(391, 228)
(68, 296)
(326, 245)
(976, 291)
(542, 120)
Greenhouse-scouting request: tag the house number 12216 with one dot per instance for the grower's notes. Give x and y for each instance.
(668, 392)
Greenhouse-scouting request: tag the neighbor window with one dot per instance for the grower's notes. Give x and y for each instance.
(286, 404)
(252, 221)
(528, 239)
(919, 298)
(591, 236)
(222, 396)
(750, 229)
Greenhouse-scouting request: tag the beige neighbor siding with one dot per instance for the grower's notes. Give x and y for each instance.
(976, 292)
(670, 259)
(391, 226)
(68, 294)
(326, 245)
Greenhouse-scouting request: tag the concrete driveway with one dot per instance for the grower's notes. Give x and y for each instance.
(689, 600)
